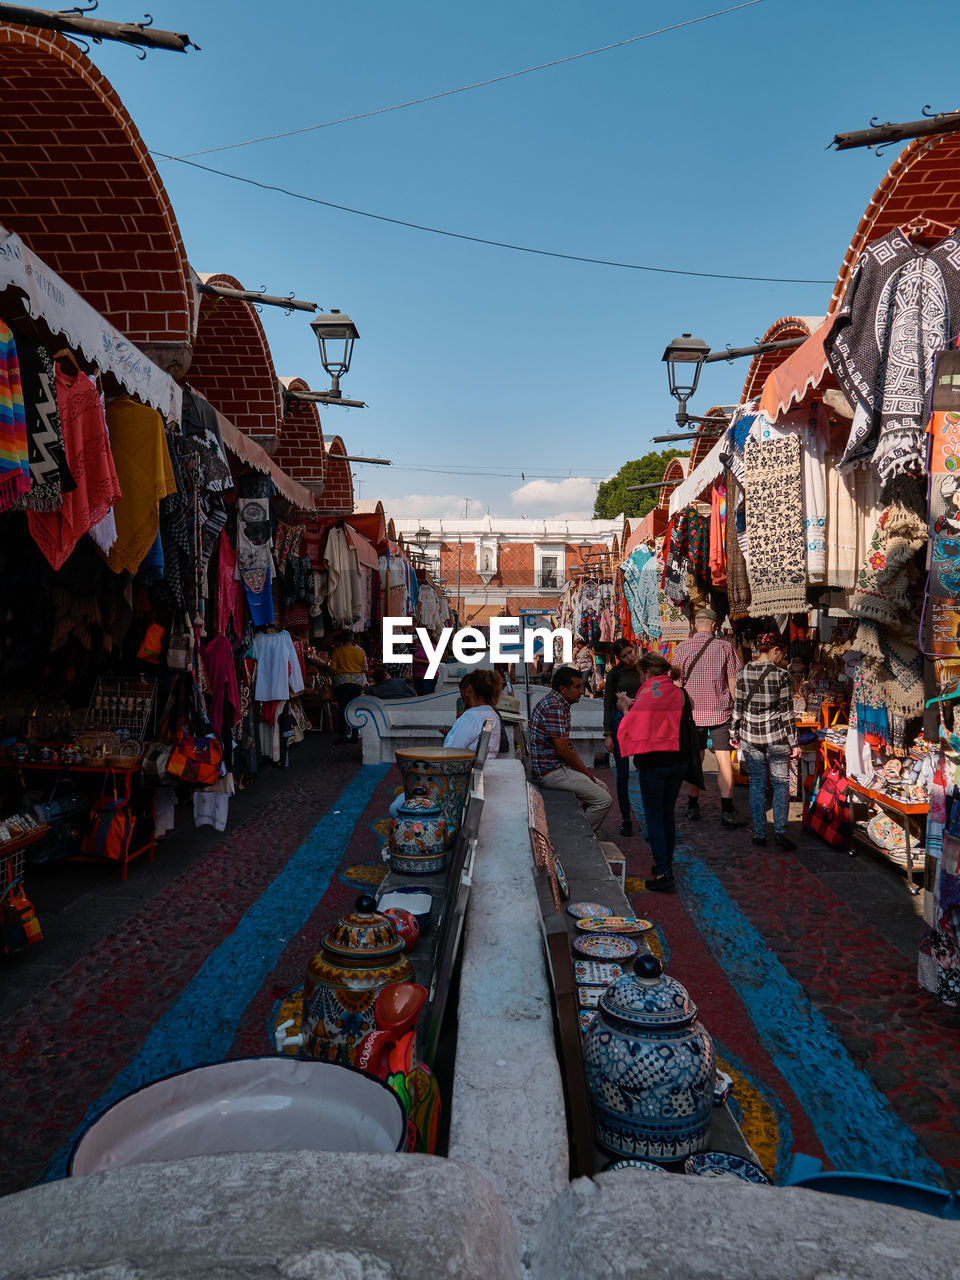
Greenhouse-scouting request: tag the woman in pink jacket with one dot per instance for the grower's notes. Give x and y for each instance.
(658, 730)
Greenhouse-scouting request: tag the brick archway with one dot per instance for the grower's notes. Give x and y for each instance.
(706, 437)
(924, 179)
(232, 365)
(762, 366)
(338, 489)
(301, 452)
(80, 188)
(676, 470)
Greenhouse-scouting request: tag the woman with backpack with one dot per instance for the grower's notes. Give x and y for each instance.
(764, 727)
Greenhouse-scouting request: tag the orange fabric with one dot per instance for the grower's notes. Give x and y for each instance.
(802, 370)
(718, 550)
(145, 473)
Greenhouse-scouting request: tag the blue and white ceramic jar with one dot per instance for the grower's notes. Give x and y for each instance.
(650, 1068)
(418, 837)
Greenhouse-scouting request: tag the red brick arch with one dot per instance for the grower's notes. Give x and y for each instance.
(924, 179)
(300, 451)
(338, 490)
(706, 437)
(762, 366)
(80, 188)
(232, 365)
(391, 530)
(676, 470)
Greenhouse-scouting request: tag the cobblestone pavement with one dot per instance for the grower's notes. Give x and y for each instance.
(184, 963)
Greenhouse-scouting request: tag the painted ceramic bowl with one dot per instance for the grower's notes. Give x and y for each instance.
(406, 925)
(605, 946)
(613, 924)
(442, 774)
(635, 1164)
(249, 1104)
(717, 1164)
(585, 910)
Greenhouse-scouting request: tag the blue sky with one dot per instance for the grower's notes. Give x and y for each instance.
(701, 149)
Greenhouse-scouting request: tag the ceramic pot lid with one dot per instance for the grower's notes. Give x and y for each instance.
(364, 936)
(648, 998)
(419, 807)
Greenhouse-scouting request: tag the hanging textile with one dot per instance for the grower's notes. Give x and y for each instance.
(91, 465)
(640, 572)
(343, 570)
(145, 474)
(899, 309)
(254, 541)
(50, 476)
(718, 532)
(200, 422)
(223, 693)
(229, 615)
(14, 453)
(738, 581)
(774, 511)
(888, 584)
(842, 524)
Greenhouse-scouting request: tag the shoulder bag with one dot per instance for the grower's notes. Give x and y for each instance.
(697, 656)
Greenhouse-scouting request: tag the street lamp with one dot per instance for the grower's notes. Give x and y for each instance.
(336, 334)
(684, 359)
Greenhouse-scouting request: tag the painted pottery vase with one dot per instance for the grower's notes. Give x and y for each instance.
(362, 954)
(650, 1068)
(418, 837)
(440, 773)
(406, 924)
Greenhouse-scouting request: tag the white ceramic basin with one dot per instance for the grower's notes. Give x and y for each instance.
(252, 1104)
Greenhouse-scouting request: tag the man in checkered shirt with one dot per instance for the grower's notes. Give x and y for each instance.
(554, 762)
(710, 666)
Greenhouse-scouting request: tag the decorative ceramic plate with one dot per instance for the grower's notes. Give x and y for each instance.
(605, 946)
(586, 1018)
(635, 1164)
(584, 909)
(613, 924)
(590, 996)
(562, 880)
(595, 973)
(717, 1164)
(887, 832)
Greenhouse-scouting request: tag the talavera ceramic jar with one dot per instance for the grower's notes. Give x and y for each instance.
(362, 954)
(650, 1068)
(442, 774)
(418, 837)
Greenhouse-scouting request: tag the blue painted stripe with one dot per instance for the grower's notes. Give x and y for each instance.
(200, 1027)
(856, 1125)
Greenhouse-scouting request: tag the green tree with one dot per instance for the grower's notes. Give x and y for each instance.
(612, 496)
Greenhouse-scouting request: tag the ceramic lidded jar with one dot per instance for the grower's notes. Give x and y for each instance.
(650, 1068)
(440, 773)
(418, 837)
(362, 954)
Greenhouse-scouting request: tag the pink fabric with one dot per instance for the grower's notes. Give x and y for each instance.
(653, 722)
(223, 693)
(229, 591)
(718, 550)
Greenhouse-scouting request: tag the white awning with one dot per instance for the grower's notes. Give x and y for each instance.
(709, 470)
(52, 300)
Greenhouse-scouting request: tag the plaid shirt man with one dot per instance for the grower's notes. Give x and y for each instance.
(769, 720)
(709, 684)
(549, 719)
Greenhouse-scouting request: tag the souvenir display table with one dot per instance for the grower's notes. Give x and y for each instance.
(122, 776)
(902, 812)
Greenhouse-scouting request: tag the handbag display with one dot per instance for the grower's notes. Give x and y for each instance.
(151, 646)
(111, 827)
(196, 760)
(188, 750)
(828, 810)
(181, 648)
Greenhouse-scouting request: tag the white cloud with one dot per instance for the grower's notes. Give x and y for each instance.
(569, 499)
(449, 505)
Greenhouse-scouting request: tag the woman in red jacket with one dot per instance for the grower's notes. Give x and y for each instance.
(659, 732)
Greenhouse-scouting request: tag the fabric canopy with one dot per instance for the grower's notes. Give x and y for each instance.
(248, 451)
(61, 308)
(802, 371)
(366, 551)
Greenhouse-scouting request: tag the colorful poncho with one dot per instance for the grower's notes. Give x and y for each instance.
(14, 455)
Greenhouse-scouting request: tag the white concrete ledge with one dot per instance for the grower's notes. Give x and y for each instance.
(508, 1117)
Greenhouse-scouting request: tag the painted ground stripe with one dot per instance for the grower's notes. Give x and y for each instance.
(200, 1027)
(857, 1127)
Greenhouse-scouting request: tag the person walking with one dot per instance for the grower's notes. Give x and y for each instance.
(709, 668)
(348, 665)
(554, 763)
(764, 727)
(659, 731)
(623, 678)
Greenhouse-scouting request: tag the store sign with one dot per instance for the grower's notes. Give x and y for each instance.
(469, 645)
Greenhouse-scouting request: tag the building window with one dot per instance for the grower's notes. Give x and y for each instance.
(549, 572)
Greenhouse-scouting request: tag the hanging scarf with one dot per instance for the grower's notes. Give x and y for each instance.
(50, 476)
(145, 473)
(14, 452)
(738, 581)
(898, 311)
(774, 509)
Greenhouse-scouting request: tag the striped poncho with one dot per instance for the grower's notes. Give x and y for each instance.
(14, 458)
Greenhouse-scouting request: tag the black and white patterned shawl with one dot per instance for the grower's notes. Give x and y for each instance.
(50, 476)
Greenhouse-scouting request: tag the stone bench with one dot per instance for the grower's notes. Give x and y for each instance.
(388, 723)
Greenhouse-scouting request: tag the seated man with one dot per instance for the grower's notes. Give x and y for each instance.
(385, 686)
(553, 761)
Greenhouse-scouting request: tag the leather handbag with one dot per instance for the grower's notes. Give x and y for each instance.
(112, 821)
(828, 809)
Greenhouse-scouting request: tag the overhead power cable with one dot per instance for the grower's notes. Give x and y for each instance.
(497, 244)
(465, 88)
